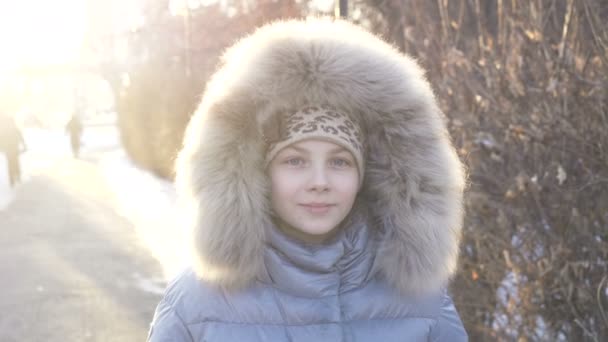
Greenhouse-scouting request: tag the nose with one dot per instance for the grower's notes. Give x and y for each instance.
(319, 180)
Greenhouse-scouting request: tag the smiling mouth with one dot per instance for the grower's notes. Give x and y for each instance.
(317, 208)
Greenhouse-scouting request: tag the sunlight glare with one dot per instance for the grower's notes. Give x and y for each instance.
(41, 32)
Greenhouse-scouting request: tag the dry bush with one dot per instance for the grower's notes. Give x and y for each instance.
(524, 87)
(171, 58)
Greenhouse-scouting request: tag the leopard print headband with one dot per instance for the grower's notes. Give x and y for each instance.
(321, 123)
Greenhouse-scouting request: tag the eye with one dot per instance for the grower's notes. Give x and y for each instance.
(294, 161)
(340, 163)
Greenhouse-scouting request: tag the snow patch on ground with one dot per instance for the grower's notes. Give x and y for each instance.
(149, 203)
(150, 285)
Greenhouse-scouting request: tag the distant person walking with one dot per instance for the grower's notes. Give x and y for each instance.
(74, 128)
(11, 144)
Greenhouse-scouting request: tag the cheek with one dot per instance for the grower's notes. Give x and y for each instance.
(283, 187)
(348, 187)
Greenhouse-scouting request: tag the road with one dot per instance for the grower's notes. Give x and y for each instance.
(71, 267)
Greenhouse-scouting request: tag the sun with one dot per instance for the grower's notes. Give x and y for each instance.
(41, 32)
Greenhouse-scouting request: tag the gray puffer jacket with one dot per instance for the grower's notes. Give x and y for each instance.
(382, 277)
(310, 293)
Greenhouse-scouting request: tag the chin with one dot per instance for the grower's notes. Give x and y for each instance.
(318, 230)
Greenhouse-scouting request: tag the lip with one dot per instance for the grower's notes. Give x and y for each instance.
(317, 208)
(316, 204)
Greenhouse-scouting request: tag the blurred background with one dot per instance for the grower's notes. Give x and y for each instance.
(95, 96)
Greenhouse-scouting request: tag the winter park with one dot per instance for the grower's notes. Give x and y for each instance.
(260, 170)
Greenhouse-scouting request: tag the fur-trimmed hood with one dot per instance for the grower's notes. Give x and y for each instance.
(413, 180)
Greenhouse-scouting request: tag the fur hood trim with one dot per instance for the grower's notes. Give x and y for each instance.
(413, 181)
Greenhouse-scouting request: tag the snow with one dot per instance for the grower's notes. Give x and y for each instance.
(144, 199)
(149, 203)
(508, 297)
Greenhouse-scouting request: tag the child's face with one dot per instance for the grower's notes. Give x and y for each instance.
(314, 185)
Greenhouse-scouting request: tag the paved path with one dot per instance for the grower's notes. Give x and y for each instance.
(71, 268)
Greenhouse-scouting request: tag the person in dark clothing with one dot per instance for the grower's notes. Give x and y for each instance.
(74, 128)
(11, 144)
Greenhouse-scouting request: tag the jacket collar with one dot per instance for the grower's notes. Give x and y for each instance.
(319, 270)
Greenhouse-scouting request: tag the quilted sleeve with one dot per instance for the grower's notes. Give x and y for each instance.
(449, 327)
(167, 325)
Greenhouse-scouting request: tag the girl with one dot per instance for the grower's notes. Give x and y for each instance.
(324, 196)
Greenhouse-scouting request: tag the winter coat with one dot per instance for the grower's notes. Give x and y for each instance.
(383, 276)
